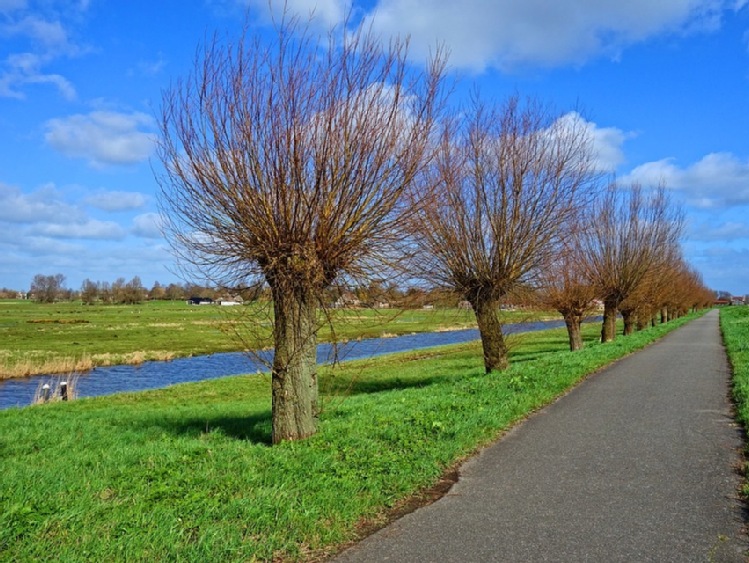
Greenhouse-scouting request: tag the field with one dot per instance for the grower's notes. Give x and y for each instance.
(734, 323)
(62, 337)
(187, 474)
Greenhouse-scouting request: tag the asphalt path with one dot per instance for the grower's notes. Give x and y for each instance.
(637, 464)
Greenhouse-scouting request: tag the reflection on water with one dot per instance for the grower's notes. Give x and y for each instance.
(152, 375)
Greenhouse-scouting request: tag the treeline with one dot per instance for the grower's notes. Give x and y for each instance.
(52, 288)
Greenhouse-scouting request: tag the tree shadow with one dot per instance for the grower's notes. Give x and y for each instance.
(255, 428)
(378, 386)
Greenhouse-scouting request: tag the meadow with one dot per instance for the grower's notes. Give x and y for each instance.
(40, 338)
(734, 324)
(187, 473)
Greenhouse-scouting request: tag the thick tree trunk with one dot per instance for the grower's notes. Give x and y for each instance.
(294, 376)
(642, 321)
(664, 315)
(490, 329)
(608, 330)
(629, 318)
(573, 323)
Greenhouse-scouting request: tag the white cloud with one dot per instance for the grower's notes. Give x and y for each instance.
(147, 225)
(716, 180)
(728, 231)
(116, 201)
(35, 36)
(90, 229)
(517, 33)
(607, 142)
(45, 204)
(322, 13)
(103, 137)
(25, 68)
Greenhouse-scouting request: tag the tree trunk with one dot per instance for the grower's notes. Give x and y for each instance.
(608, 330)
(642, 321)
(664, 315)
(629, 317)
(490, 329)
(573, 323)
(294, 376)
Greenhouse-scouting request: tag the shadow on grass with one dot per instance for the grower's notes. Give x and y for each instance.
(254, 428)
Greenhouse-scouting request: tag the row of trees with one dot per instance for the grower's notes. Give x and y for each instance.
(52, 288)
(308, 167)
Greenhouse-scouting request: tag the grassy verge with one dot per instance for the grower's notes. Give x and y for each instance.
(734, 324)
(64, 337)
(186, 473)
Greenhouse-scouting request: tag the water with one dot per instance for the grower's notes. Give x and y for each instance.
(153, 375)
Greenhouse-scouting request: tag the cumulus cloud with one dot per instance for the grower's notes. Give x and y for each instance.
(35, 36)
(103, 137)
(147, 225)
(45, 204)
(116, 201)
(89, 229)
(608, 142)
(517, 33)
(717, 180)
(322, 13)
(727, 231)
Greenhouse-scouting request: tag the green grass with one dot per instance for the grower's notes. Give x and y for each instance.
(60, 337)
(187, 473)
(734, 324)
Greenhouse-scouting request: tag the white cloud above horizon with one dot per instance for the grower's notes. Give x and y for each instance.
(716, 180)
(103, 138)
(89, 229)
(44, 29)
(147, 225)
(116, 200)
(519, 33)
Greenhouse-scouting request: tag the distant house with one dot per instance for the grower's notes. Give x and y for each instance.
(428, 306)
(200, 301)
(381, 305)
(347, 301)
(464, 305)
(737, 300)
(231, 301)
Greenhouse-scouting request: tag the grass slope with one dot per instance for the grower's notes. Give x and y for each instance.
(186, 473)
(734, 324)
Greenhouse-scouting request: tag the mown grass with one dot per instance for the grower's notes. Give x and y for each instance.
(734, 324)
(63, 337)
(187, 474)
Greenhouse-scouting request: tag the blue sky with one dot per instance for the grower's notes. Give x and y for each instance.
(664, 87)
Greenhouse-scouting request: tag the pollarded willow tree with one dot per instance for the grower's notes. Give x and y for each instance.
(286, 162)
(632, 235)
(565, 287)
(505, 187)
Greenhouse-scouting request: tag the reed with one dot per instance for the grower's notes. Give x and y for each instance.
(59, 388)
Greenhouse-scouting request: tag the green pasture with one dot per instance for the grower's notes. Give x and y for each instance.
(39, 338)
(734, 323)
(187, 473)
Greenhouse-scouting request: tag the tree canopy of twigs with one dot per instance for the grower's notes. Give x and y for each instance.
(507, 183)
(632, 234)
(286, 162)
(565, 287)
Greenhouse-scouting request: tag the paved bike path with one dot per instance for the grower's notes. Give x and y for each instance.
(635, 464)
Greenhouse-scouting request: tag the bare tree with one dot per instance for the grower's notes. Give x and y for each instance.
(632, 234)
(286, 161)
(505, 186)
(565, 287)
(47, 289)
